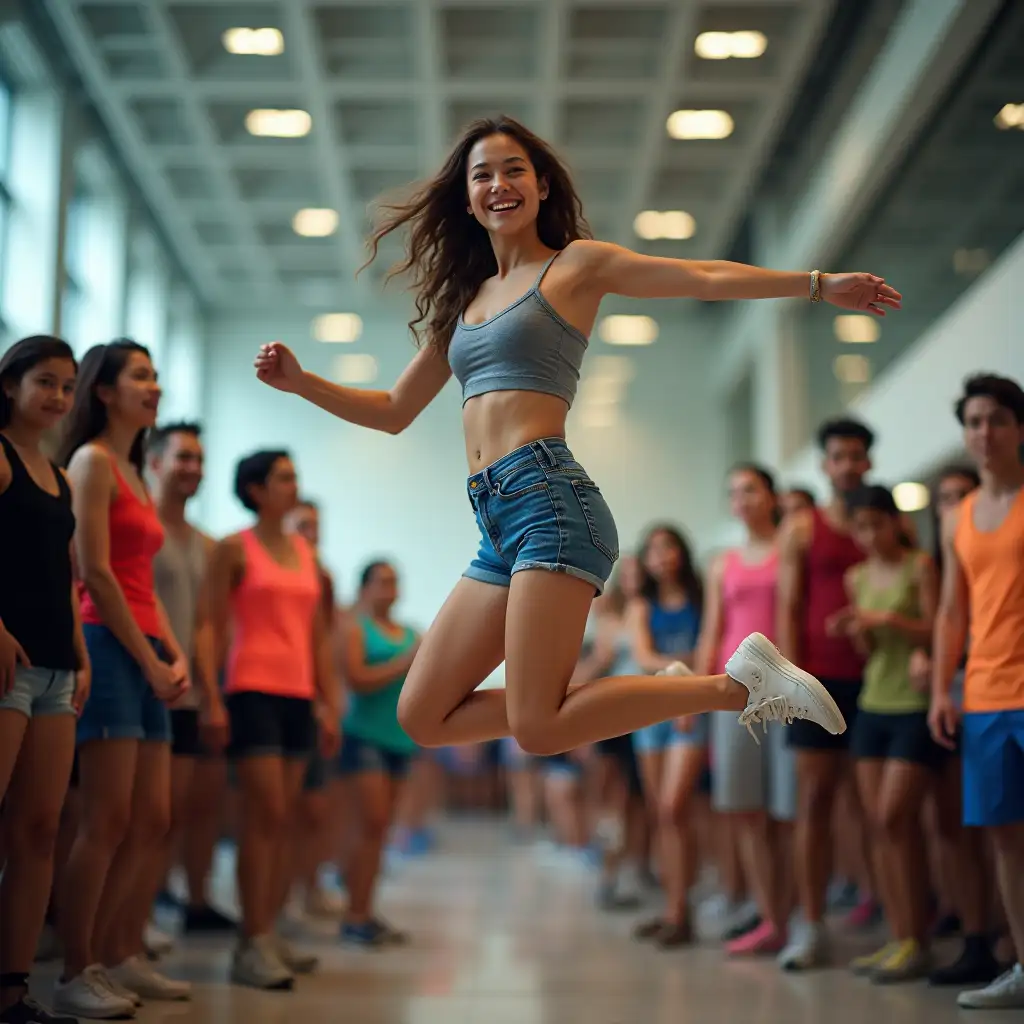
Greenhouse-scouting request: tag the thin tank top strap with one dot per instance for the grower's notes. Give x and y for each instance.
(544, 269)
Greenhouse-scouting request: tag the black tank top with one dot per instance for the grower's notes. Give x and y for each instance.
(35, 586)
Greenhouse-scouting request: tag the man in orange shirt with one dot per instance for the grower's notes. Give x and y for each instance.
(983, 585)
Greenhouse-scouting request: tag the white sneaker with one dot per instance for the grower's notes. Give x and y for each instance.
(806, 949)
(119, 990)
(677, 668)
(1005, 993)
(88, 995)
(296, 961)
(138, 975)
(779, 690)
(256, 963)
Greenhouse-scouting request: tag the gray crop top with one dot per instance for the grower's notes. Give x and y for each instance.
(525, 347)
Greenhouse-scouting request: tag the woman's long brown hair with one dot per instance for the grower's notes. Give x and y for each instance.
(448, 252)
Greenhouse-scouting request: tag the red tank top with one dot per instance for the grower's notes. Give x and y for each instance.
(136, 535)
(831, 553)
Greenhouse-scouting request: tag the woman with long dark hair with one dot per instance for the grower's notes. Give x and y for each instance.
(665, 623)
(124, 733)
(44, 666)
(508, 282)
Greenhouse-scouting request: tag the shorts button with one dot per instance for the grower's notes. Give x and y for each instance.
(473, 485)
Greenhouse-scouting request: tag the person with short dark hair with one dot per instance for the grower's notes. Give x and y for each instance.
(815, 551)
(198, 720)
(44, 664)
(983, 592)
(267, 615)
(893, 594)
(796, 499)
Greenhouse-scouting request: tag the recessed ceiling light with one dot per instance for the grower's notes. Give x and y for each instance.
(628, 330)
(259, 42)
(315, 223)
(674, 224)
(971, 262)
(1011, 116)
(856, 329)
(852, 369)
(723, 45)
(599, 390)
(338, 327)
(699, 124)
(355, 369)
(911, 497)
(279, 124)
(596, 417)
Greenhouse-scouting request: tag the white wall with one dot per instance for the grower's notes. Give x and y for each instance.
(404, 497)
(910, 405)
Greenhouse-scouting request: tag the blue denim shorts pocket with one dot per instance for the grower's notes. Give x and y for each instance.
(536, 508)
(121, 704)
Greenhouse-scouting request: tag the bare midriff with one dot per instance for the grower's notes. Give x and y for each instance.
(499, 422)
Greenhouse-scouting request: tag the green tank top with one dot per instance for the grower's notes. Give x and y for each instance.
(374, 716)
(887, 688)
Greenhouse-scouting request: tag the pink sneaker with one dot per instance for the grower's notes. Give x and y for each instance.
(765, 938)
(866, 914)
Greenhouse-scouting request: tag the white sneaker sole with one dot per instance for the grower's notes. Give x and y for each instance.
(760, 650)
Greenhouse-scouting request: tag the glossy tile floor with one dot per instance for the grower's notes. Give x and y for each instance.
(508, 935)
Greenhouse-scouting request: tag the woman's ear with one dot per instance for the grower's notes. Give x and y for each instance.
(542, 189)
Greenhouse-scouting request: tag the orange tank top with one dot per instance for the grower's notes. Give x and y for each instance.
(272, 616)
(992, 562)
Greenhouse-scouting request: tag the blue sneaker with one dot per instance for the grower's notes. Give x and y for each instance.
(369, 934)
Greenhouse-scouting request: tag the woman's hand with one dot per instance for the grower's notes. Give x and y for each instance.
(169, 683)
(214, 728)
(83, 687)
(862, 292)
(12, 654)
(277, 366)
(920, 671)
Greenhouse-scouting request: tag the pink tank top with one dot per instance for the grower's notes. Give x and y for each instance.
(272, 615)
(831, 553)
(748, 601)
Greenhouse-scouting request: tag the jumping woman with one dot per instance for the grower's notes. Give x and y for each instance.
(508, 284)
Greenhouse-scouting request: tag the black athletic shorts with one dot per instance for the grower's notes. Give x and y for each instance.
(186, 739)
(620, 749)
(264, 724)
(899, 737)
(804, 735)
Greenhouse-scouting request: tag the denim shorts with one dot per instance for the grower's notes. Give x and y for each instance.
(121, 704)
(665, 734)
(538, 509)
(40, 691)
(364, 757)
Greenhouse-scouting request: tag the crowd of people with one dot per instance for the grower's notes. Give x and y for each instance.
(161, 689)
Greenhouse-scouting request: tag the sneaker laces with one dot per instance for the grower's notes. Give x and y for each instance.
(98, 982)
(770, 709)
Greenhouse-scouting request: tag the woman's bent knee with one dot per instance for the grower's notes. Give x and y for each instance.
(419, 722)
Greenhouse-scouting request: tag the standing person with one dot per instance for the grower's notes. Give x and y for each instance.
(815, 552)
(198, 719)
(44, 664)
(964, 892)
(377, 751)
(665, 622)
(751, 783)
(314, 839)
(124, 732)
(266, 608)
(508, 284)
(983, 590)
(892, 594)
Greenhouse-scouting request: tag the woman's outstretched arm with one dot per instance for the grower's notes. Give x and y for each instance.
(619, 271)
(389, 411)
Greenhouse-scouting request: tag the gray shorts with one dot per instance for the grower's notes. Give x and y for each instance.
(747, 777)
(40, 691)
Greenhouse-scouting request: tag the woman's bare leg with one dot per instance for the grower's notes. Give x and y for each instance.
(684, 765)
(544, 621)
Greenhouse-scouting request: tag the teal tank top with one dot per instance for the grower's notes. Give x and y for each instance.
(373, 717)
